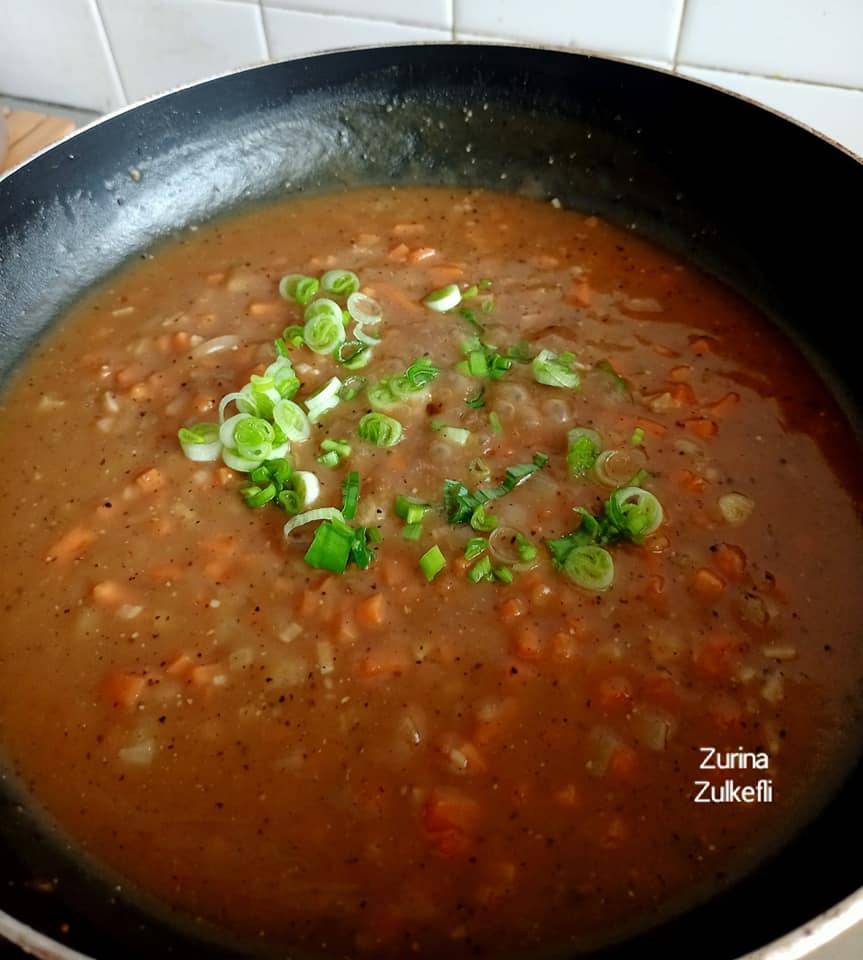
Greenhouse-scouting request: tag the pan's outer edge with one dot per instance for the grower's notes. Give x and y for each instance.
(795, 945)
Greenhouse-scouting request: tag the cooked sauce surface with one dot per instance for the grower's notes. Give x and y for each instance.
(376, 762)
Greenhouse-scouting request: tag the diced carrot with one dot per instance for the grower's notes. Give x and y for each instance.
(71, 545)
(615, 833)
(131, 375)
(656, 595)
(346, 629)
(730, 560)
(111, 593)
(680, 374)
(707, 584)
(527, 643)
(683, 393)
(224, 476)
(701, 427)
(221, 546)
(180, 341)
(217, 570)
(140, 392)
(179, 665)
(716, 655)
(150, 481)
(660, 689)
(204, 674)
(614, 693)
(384, 661)
(421, 253)
(702, 345)
(450, 818)
(371, 612)
(624, 763)
(580, 293)
(309, 602)
(689, 481)
(567, 796)
(214, 279)
(390, 292)
(511, 609)
(651, 427)
(266, 308)
(724, 405)
(164, 572)
(563, 645)
(399, 252)
(726, 713)
(123, 689)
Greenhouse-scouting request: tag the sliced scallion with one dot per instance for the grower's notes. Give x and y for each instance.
(412, 531)
(298, 287)
(311, 516)
(364, 309)
(323, 330)
(379, 429)
(291, 419)
(590, 567)
(341, 283)
(456, 435)
(583, 447)
(443, 299)
(432, 562)
(410, 509)
(324, 399)
(350, 495)
(200, 442)
(475, 547)
(556, 370)
(307, 487)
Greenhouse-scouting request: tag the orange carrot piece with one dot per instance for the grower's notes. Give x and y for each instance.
(651, 427)
(527, 643)
(730, 560)
(421, 253)
(150, 481)
(444, 273)
(123, 689)
(614, 693)
(567, 796)
(660, 689)
(383, 661)
(624, 764)
(702, 345)
(371, 612)
(179, 665)
(266, 308)
(204, 674)
(701, 427)
(580, 293)
(683, 393)
(450, 818)
(111, 593)
(71, 545)
(707, 584)
(689, 481)
(180, 341)
(724, 405)
(716, 655)
(399, 252)
(511, 609)
(680, 374)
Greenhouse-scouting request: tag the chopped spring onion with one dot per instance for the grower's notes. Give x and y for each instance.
(444, 298)
(364, 309)
(460, 503)
(616, 468)
(511, 547)
(410, 509)
(268, 483)
(324, 329)
(494, 422)
(307, 487)
(341, 448)
(291, 337)
(477, 400)
(481, 570)
(253, 438)
(350, 495)
(555, 370)
(241, 464)
(200, 442)
(324, 399)
(432, 562)
(341, 283)
(352, 387)
(412, 531)
(475, 547)
(291, 419)
(353, 354)
(329, 459)
(470, 292)
(637, 437)
(331, 546)
(456, 435)
(421, 372)
(311, 516)
(381, 396)
(379, 429)
(256, 496)
(364, 337)
(583, 447)
(591, 567)
(482, 521)
(289, 501)
(298, 287)
(504, 574)
(470, 316)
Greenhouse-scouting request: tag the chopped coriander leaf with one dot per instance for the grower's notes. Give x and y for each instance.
(555, 370)
(432, 562)
(475, 547)
(460, 503)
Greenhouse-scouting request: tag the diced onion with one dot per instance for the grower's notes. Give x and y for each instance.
(310, 516)
(291, 419)
(735, 508)
(215, 345)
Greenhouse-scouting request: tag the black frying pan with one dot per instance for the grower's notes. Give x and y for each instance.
(766, 205)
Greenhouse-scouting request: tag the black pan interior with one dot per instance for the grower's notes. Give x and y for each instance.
(765, 205)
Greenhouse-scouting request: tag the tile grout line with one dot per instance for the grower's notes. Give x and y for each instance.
(113, 66)
(359, 17)
(262, 20)
(736, 71)
(679, 36)
(451, 8)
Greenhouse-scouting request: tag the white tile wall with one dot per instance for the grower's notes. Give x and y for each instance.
(803, 57)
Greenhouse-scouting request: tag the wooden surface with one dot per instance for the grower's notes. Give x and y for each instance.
(30, 132)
